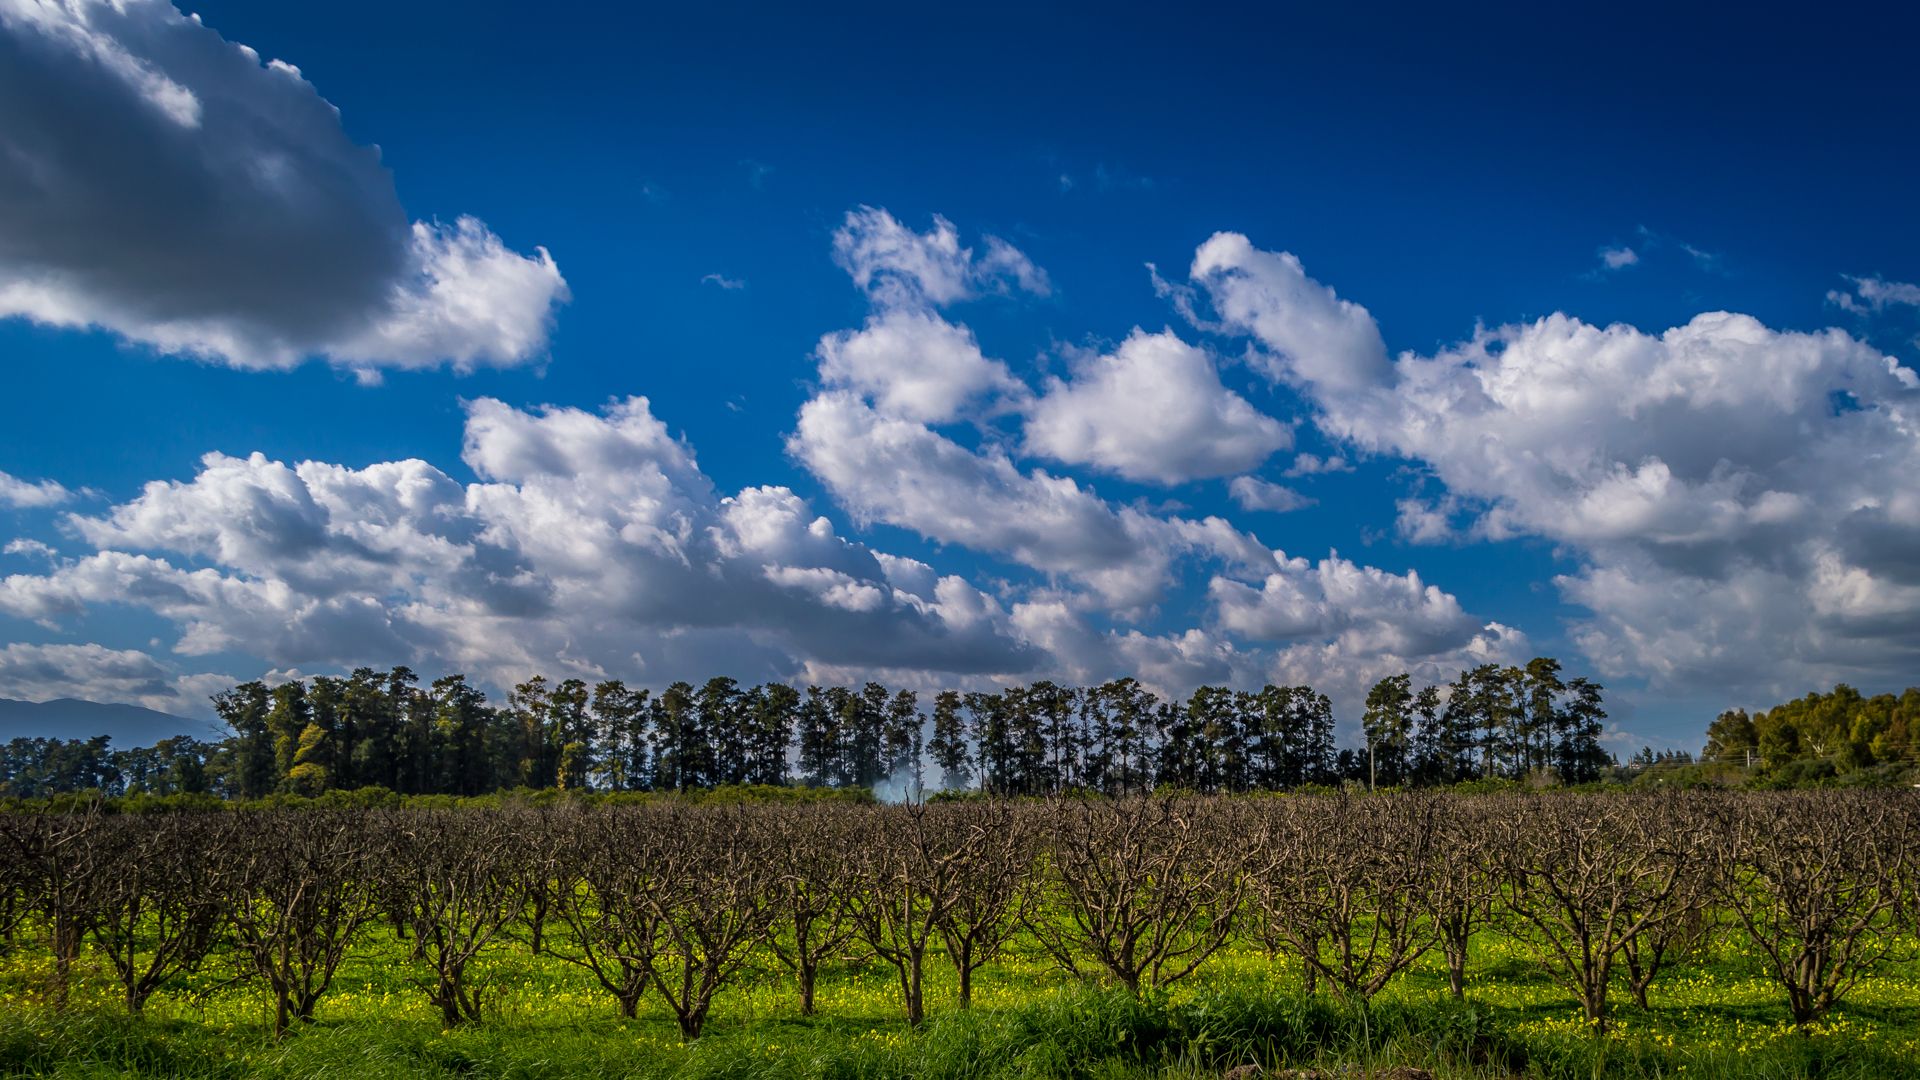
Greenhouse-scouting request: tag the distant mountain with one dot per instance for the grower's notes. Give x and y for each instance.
(71, 718)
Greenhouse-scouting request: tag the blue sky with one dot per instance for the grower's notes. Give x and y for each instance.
(573, 207)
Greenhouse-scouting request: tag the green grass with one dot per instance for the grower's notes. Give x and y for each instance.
(1715, 1016)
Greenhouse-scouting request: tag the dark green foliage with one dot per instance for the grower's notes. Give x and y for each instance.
(1820, 737)
(1493, 724)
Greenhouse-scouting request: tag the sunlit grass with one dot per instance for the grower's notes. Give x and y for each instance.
(1713, 1014)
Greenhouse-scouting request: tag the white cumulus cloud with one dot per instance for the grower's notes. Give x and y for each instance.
(1253, 493)
(1152, 410)
(592, 542)
(1618, 258)
(914, 364)
(1319, 339)
(1736, 495)
(896, 266)
(30, 494)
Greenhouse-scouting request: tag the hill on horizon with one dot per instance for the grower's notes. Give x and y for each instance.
(72, 718)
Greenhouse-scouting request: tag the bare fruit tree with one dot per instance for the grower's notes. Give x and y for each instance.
(712, 891)
(600, 889)
(1815, 879)
(18, 879)
(1682, 923)
(59, 870)
(298, 885)
(909, 864)
(1339, 880)
(1459, 885)
(544, 832)
(462, 877)
(1581, 877)
(155, 918)
(1143, 889)
(807, 850)
(998, 853)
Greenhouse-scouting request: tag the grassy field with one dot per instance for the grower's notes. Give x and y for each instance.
(1714, 1015)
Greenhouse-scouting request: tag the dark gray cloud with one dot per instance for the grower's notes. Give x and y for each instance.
(1886, 548)
(166, 184)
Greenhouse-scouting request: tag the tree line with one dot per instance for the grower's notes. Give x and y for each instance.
(1820, 736)
(387, 730)
(674, 899)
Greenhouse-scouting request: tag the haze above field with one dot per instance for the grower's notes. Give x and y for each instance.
(957, 350)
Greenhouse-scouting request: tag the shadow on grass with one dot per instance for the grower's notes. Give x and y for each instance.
(1071, 1034)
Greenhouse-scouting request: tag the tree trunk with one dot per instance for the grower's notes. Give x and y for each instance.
(537, 925)
(66, 949)
(455, 1009)
(1456, 933)
(1800, 1004)
(1593, 997)
(691, 1021)
(916, 1009)
(808, 972)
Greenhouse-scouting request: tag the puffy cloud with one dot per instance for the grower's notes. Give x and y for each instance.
(1618, 258)
(592, 541)
(869, 436)
(1152, 410)
(31, 494)
(896, 266)
(904, 473)
(1673, 441)
(914, 364)
(25, 547)
(1343, 653)
(1329, 343)
(1420, 521)
(1735, 494)
(1253, 493)
(214, 611)
(96, 673)
(1367, 609)
(592, 544)
(465, 300)
(161, 182)
(1155, 410)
